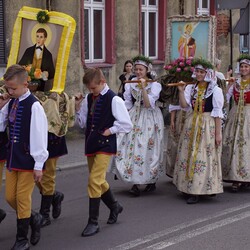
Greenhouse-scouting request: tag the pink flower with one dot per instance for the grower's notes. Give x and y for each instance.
(192, 69)
(170, 67)
(175, 62)
(186, 69)
(188, 62)
(181, 64)
(178, 70)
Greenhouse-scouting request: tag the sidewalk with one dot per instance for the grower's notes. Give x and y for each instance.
(75, 140)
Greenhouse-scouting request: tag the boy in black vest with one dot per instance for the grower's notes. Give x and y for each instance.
(27, 151)
(103, 114)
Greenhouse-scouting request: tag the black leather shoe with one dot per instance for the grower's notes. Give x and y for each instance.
(2, 215)
(193, 199)
(90, 229)
(150, 188)
(57, 204)
(114, 213)
(135, 190)
(35, 224)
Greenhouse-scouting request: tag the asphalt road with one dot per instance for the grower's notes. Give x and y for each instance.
(160, 220)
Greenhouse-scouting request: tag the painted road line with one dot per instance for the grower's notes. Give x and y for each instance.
(198, 231)
(154, 236)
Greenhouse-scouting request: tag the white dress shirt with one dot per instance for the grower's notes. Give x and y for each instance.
(38, 131)
(122, 123)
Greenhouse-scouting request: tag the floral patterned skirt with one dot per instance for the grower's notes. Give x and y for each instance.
(173, 139)
(139, 158)
(236, 147)
(206, 176)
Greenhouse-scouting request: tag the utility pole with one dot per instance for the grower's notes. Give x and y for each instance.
(48, 5)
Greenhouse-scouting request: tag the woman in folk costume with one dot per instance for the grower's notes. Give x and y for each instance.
(236, 137)
(139, 157)
(198, 165)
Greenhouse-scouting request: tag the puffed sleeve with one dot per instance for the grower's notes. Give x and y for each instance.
(81, 115)
(154, 94)
(229, 93)
(122, 123)
(4, 117)
(218, 102)
(128, 96)
(38, 129)
(174, 108)
(187, 94)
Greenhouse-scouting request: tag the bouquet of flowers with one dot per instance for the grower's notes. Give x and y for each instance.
(182, 68)
(34, 75)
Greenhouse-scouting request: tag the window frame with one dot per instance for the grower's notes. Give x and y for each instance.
(91, 6)
(201, 10)
(211, 9)
(109, 43)
(147, 10)
(161, 38)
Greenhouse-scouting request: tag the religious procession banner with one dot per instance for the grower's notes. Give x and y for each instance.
(41, 42)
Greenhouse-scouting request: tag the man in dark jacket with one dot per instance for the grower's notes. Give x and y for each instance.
(40, 57)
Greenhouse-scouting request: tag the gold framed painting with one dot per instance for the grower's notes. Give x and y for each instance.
(43, 46)
(191, 36)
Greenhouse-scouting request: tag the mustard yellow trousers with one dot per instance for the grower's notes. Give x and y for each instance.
(18, 191)
(48, 183)
(98, 165)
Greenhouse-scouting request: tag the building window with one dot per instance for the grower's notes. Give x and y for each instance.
(94, 30)
(3, 59)
(98, 32)
(244, 40)
(149, 25)
(203, 7)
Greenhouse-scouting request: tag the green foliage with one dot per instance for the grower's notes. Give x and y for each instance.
(42, 16)
(142, 58)
(200, 61)
(243, 56)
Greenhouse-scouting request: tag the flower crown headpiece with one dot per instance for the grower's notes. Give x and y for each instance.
(244, 58)
(200, 63)
(142, 60)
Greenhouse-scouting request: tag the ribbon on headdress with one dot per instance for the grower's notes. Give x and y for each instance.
(246, 61)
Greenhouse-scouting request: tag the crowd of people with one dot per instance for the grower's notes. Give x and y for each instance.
(125, 136)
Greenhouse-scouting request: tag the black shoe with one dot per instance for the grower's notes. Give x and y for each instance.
(135, 190)
(114, 206)
(57, 204)
(45, 209)
(114, 213)
(35, 224)
(150, 188)
(193, 199)
(2, 215)
(22, 242)
(92, 226)
(236, 187)
(90, 229)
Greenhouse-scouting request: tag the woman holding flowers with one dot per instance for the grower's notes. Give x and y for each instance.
(139, 157)
(198, 165)
(236, 140)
